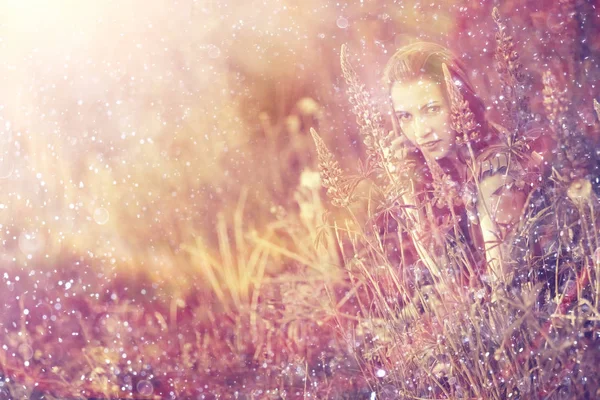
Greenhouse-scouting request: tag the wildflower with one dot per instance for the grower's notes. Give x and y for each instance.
(580, 191)
(331, 174)
(377, 141)
(508, 65)
(463, 120)
(511, 75)
(555, 100)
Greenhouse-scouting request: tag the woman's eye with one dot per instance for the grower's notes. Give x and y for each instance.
(433, 109)
(403, 117)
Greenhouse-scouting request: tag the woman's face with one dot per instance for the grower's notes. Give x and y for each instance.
(424, 117)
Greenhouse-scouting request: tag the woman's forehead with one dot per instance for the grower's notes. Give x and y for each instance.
(414, 94)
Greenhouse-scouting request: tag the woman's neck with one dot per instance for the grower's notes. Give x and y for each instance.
(460, 167)
(456, 167)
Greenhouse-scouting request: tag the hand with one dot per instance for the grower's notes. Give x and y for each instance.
(400, 145)
(503, 200)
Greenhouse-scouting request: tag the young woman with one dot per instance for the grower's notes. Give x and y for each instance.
(475, 184)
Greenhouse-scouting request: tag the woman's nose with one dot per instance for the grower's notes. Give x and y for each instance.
(421, 129)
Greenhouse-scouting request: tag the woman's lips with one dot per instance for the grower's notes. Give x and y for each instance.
(430, 145)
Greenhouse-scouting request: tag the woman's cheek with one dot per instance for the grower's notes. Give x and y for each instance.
(409, 134)
(441, 123)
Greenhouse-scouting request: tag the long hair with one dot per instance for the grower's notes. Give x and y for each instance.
(424, 60)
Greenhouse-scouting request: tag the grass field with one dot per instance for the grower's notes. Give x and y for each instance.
(172, 229)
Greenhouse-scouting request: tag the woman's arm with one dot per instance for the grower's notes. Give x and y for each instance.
(500, 204)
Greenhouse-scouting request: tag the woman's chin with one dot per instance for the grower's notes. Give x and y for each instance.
(437, 154)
